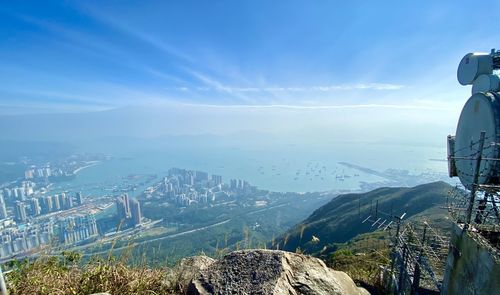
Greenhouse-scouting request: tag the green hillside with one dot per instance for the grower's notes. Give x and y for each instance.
(340, 220)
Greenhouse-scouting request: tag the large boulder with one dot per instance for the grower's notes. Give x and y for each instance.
(271, 272)
(186, 270)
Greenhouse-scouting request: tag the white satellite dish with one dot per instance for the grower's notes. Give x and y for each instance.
(473, 65)
(480, 113)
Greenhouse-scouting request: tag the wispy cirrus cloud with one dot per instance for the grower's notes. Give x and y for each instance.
(322, 107)
(188, 79)
(371, 86)
(222, 82)
(325, 88)
(212, 84)
(123, 27)
(96, 46)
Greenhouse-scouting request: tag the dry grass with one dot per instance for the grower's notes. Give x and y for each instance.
(51, 275)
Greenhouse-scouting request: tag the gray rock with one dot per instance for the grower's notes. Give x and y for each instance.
(187, 269)
(271, 272)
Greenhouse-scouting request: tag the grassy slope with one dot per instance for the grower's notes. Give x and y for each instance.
(339, 220)
(52, 275)
(362, 255)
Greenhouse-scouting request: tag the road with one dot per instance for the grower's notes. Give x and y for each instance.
(186, 232)
(163, 238)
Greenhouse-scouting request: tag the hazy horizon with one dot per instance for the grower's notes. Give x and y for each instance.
(257, 75)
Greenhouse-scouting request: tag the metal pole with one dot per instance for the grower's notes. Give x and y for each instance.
(402, 269)
(3, 286)
(395, 246)
(475, 182)
(416, 274)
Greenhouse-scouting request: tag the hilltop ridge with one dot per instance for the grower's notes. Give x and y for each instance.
(341, 219)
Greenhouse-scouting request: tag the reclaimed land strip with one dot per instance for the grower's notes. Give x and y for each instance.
(367, 170)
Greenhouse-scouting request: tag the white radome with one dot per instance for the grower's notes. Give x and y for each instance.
(486, 83)
(472, 66)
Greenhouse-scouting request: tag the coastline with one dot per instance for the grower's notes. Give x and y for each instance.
(89, 164)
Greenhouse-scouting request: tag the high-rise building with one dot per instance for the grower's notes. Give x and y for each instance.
(7, 193)
(78, 228)
(92, 224)
(39, 172)
(14, 193)
(79, 198)
(169, 187)
(63, 201)
(47, 172)
(135, 208)
(56, 205)
(128, 209)
(127, 205)
(201, 176)
(69, 202)
(3, 211)
(20, 193)
(120, 208)
(35, 206)
(234, 184)
(216, 179)
(20, 210)
(19, 245)
(32, 241)
(189, 179)
(47, 204)
(28, 174)
(123, 207)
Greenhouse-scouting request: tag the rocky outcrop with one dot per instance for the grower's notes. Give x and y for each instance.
(271, 272)
(186, 270)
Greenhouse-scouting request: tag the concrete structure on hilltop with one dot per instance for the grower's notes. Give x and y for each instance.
(473, 264)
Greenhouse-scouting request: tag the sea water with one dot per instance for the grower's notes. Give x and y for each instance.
(287, 168)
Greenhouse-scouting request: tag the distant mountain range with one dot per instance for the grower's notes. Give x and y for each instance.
(233, 123)
(341, 219)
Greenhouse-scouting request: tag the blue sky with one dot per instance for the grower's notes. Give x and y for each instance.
(65, 56)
